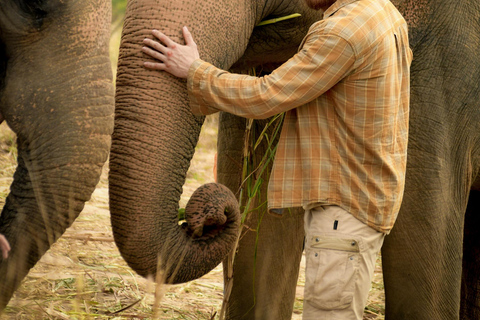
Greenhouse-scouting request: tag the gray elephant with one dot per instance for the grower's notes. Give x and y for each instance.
(153, 122)
(432, 256)
(431, 260)
(56, 94)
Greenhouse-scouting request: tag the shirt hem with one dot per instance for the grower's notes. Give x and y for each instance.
(279, 210)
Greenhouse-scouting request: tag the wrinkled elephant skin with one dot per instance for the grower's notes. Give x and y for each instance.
(56, 94)
(431, 259)
(155, 132)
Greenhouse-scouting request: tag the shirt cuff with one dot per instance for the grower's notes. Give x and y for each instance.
(195, 83)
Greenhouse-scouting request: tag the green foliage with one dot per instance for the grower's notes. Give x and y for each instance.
(118, 9)
(275, 20)
(119, 5)
(252, 176)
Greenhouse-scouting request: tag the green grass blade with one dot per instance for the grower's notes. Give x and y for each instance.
(275, 20)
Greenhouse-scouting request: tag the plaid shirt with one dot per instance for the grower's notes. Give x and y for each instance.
(346, 98)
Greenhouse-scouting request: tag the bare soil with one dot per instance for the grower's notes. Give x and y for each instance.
(83, 275)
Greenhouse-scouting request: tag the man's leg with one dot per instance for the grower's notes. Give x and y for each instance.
(341, 252)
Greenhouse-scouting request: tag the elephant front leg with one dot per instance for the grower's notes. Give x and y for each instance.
(267, 263)
(422, 256)
(266, 267)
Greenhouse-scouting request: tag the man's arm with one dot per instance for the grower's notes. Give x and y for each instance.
(323, 61)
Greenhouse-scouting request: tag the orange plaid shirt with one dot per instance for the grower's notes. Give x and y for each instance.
(346, 98)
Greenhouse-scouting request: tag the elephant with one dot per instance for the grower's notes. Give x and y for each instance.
(148, 122)
(57, 96)
(431, 257)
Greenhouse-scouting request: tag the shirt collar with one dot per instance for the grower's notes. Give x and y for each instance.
(336, 6)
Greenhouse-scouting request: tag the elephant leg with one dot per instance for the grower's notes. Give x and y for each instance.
(268, 259)
(422, 256)
(266, 269)
(470, 304)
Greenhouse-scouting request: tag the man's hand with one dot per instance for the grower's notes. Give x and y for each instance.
(4, 246)
(174, 58)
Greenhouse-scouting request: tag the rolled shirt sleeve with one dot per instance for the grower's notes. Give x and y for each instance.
(322, 61)
(346, 96)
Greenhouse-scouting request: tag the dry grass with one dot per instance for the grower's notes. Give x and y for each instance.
(83, 275)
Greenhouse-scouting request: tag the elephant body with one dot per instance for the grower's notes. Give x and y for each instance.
(56, 94)
(430, 259)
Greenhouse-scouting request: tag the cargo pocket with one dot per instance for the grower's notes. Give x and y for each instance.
(331, 272)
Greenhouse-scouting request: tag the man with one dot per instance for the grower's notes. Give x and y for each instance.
(342, 150)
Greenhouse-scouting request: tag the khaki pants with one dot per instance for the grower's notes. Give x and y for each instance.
(340, 252)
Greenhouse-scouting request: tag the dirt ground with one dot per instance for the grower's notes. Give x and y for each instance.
(83, 275)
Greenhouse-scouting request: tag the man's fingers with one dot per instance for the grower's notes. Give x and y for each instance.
(188, 37)
(154, 54)
(155, 65)
(174, 58)
(155, 45)
(163, 38)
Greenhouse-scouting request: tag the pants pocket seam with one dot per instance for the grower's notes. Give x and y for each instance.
(325, 287)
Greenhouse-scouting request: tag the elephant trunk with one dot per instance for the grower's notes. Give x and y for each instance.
(151, 150)
(154, 139)
(61, 108)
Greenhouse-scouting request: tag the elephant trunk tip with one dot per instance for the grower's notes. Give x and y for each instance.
(209, 234)
(212, 208)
